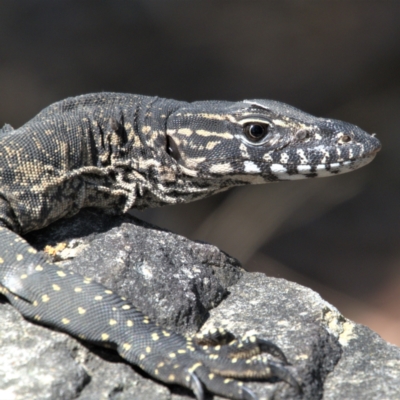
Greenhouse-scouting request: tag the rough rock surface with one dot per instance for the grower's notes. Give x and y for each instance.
(170, 278)
(183, 285)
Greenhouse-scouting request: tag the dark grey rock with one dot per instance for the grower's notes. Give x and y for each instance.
(37, 360)
(38, 363)
(172, 279)
(183, 284)
(368, 369)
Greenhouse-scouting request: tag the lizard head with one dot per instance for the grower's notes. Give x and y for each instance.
(262, 140)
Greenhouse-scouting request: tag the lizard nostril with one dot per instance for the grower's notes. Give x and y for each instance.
(344, 139)
(302, 134)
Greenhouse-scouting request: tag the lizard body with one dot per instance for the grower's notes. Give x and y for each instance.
(118, 151)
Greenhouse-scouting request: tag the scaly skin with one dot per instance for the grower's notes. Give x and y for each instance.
(118, 151)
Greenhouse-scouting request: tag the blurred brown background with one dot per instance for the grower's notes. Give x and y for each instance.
(340, 59)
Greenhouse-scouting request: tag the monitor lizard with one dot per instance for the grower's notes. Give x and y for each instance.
(118, 151)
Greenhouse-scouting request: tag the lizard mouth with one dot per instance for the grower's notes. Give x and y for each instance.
(301, 171)
(350, 158)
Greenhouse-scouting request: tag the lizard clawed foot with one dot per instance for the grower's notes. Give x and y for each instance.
(226, 387)
(227, 359)
(245, 347)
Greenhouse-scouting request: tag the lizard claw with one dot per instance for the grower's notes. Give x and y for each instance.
(266, 346)
(248, 394)
(196, 386)
(281, 372)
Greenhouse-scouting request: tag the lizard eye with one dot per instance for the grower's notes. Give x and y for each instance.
(256, 132)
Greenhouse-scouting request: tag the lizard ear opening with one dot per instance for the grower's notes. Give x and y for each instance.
(172, 149)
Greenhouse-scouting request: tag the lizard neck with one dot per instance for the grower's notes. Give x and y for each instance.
(131, 144)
